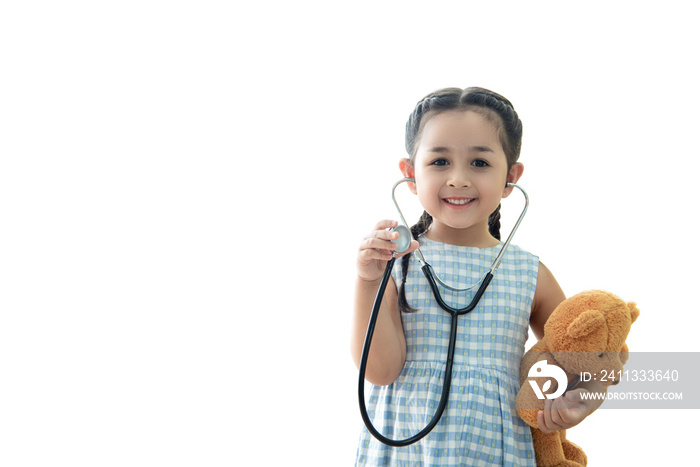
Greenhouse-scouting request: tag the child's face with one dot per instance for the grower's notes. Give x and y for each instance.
(461, 173)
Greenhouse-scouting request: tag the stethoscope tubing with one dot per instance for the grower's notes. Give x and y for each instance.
(454, 314)
(363, 369)
(428, 273)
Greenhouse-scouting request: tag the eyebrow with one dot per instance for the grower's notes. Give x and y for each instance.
(442, 149)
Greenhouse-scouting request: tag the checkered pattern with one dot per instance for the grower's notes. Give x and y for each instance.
(480, 426)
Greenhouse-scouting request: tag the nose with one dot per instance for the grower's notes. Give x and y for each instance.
(458, 179)
(616, 382)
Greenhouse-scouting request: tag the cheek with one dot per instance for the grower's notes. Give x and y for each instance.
(425, 197)
(493, 187)
(425, 185)
(499, 183)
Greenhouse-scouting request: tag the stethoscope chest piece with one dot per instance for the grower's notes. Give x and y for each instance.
(404, 241)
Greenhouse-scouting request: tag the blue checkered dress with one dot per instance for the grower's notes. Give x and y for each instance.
(480, 426)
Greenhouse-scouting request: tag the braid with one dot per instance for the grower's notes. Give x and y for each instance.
(417, 230)
(495, 223)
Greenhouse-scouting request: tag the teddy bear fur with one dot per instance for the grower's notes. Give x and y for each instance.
(586, 332)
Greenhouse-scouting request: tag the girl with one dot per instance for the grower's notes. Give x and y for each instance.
(463, 148)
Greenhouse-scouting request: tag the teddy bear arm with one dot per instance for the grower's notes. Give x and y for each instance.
(538, 352)
(526, 402)
(527, 406)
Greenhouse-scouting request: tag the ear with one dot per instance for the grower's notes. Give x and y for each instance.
(408, 172)
(585, 324)
(634, 311)
(624, 353)
(514, 174)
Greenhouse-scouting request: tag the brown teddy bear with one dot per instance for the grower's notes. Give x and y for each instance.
(585, 333)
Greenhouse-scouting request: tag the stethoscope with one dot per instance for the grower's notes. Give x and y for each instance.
(403, 243)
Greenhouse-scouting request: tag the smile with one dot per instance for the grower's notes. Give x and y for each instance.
(458, 201)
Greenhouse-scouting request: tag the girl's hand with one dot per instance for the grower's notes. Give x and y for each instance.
(564, 412)
(376, 250)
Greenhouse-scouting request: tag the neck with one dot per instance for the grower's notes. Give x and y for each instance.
(475, 236)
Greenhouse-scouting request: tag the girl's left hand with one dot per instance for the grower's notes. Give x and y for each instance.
(563, 412)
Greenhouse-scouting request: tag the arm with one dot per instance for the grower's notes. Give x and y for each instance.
(548, 295)
(388, 351)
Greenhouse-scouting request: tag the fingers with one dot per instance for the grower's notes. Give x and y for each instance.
(542, 423)
(413, 247)
(378, 247)
(554, 414)
(381, 230)
(545, 419)
(382, 238)
(561, 413)
(378, 244)
(386, 224)
(550, 419)
(575, 396)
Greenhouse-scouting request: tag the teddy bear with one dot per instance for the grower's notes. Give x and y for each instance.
(585, 334)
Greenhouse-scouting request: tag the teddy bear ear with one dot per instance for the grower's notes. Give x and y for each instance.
(624, 353)
(585, 323)
(634, 311)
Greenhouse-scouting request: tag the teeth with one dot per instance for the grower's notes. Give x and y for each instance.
(458, 201)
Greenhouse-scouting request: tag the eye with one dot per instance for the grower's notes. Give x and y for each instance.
(480, 163)
(441, 162)
(600, 355)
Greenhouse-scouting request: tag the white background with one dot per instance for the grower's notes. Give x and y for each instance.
(184, 185)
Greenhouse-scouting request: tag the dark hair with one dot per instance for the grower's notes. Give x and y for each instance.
(492, 106)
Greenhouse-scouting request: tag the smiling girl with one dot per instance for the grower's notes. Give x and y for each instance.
(463, 147)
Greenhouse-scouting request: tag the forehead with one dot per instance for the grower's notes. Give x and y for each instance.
(460, 127)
